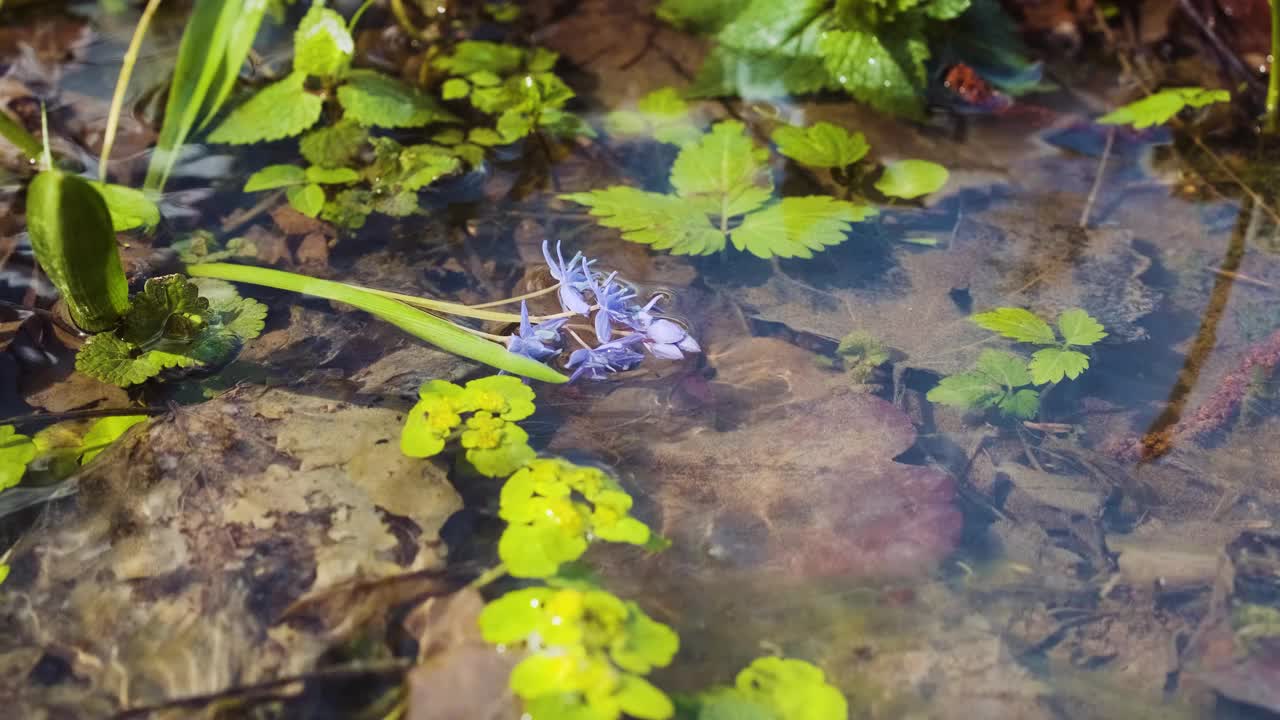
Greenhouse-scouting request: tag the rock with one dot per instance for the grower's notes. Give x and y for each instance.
(174, 570)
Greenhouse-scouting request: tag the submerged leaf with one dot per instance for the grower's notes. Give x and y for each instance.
(1158, 108)
(1053, 364)
(724, 172)
(129, 208)
(104, 432)
(1017, 324)
(275, 176)
(666, 222)
(280, 110)
(334, 146)
(821, 145)
(1079, 328)
(371, 98)
(16, 451)
(798, 226)
(911, 178)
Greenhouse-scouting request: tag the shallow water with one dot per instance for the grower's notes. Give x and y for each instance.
(933, 564)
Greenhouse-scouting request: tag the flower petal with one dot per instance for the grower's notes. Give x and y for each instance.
(665, 332)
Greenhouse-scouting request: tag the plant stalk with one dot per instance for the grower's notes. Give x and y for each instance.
(122, 85)
(1272, 122)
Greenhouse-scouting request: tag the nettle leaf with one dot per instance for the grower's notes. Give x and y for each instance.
(280, 110)
(1016, 324)
(666, 222)
(883, 69)
(821, 145)
(794, 67)
(911, 179)
(371, 98)
(1160, 107)
(335, 146)
(129, 208)
(798, 226)
(307, 199)
(725, 173)
(275, 176)
(169, 306)
(1005, 368)
(322, 45)
(112, 360)
(1053, 364)
(1079, 328)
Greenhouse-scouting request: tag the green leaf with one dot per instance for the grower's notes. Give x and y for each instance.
(168, 307)
(104, 432)
(538, 551)
(663, 113)
(664, 221)
(638, 698)
(243, 317)
(794, 67)
(730, 704)
(275, 176)
(19, 137)
(764, 24)
(798, 226)
(307, 199)
(510, 619)
(970, 390)
(16, 452)
(647, 644)
(884, 69)
(322, 45)
(1053, 364)
(454, 89)
(821, 145)
(1023, 404)
(471, 56)
(794, 689)
(911, 178)
(335, 146)
(112, 360)
(331, 176)
(280, 110)
(129, 208)
(1016, 324)
(706, 16)
(502, 395)
(725, 173)
(1079, 328)
(946, 9)
(1160, 107)
(1005, 368)
(371, 98)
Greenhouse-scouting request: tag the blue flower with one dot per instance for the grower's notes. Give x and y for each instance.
(615, 306)
(574, 277)
(536, 341)
(662, 337)
(596, 363)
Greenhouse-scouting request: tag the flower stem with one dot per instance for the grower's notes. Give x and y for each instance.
(518, 298)
(491, 575)
(459, 309)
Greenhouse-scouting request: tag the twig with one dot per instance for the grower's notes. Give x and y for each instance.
(1097, 179)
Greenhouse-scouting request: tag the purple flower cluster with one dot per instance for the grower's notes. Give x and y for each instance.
(622, 325)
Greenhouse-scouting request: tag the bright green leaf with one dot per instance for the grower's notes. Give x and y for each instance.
(1079, 328)
(883, 69)
(1005, 368)
(1023, 404)
(322, 45)
(280, 110)
(821, 145)
(307, 199)
(968, 391)
(794, 689)
(455, 88)
(16, 451)
(1160, 107)
(129, 208)
(638, 698)
(911, 178)
(510, 619)
(471, 56)
(1053, 364)
(725, 173)
(665, 222)
(371, 98)
(1016, 324)
(331, 176)
(104, 432)
(538, 551)
(335, 146)
(798, 226)
(275, 176)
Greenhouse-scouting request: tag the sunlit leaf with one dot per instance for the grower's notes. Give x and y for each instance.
(322, 45)
(911, 178)
(821, 145)
(280, 110)
(1079, 328)
(1160, 107)
(1017, 324)
(1053, 364)
(665, 222)
(725, 173)
(798, 226)
(374, 99)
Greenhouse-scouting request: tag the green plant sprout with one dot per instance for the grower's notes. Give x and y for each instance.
(875, 51)
(1161, 107)
(829, 146)
(774, 688)
(859, 355)
(513, 84)
(722, 192)
(587, 653)
(1008, 382)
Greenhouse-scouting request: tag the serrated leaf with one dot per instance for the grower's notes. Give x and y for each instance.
(821, 145)
(883, 69)
(280, 110)
(307, 199)
(794, 68)
(335, 146)
(169, 306)
(1004, 367)
(1079, 328)
(665, 222)
(970, 390)
(1053, 364)
(424, 164)
(724, 173)
(911, 178)
(471, 56)
(663, 113)
(798, 226)
(112, 360)
(1016, 324)
(766, 24)
(946, 9)
(371, 98)
(1158, 108)
(129, 208)
(700, 15)
(244, 317)
(1023, 404)
(322, 45)
(275, 176)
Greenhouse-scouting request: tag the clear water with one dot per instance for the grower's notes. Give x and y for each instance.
(934, 565)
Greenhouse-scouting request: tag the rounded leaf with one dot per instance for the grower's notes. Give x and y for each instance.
(911, 178)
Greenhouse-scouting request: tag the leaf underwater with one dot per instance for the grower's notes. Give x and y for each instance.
(420, 324)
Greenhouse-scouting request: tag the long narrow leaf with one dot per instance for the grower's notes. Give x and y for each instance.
(440, 333)
(240, 42)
